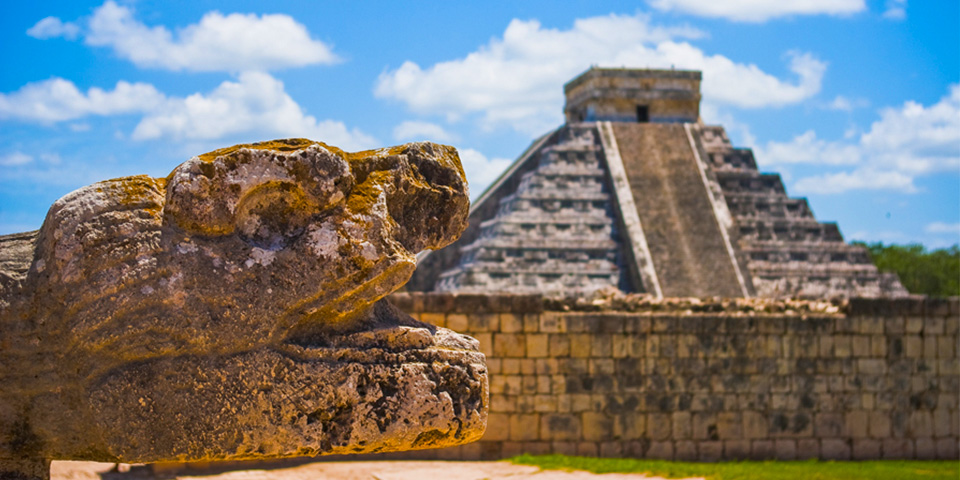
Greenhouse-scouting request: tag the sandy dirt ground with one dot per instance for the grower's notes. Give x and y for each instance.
(407, 470)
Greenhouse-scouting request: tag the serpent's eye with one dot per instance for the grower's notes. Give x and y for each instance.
(272, 214)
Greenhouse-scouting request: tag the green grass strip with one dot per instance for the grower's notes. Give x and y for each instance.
(767, 470)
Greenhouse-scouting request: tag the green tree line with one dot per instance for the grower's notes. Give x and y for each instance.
(935, 273)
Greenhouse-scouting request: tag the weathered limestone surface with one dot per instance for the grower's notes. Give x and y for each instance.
(233, 310)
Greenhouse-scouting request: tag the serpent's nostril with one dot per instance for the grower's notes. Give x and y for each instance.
(273, 214)
(207, 169)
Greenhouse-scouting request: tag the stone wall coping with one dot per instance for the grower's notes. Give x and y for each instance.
(444, 302)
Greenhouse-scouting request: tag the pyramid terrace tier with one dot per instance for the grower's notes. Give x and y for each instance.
(554, 245)
(562, 184)
(808, 269)
(585, 203)
(550, 194)
(733, 160)
(580, 229)
(560, 217)
(525, 282)
(568, 277)
(565, 170)
(579, 145)
(827, 283)
(745, 181)
(747, 206)
(806, 253)
(568, 163)
(713, 138)
(805, 230)
(540, 261)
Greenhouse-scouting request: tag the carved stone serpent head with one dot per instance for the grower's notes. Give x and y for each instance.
(230, 309)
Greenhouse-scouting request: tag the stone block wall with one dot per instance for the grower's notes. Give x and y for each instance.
(697, 381)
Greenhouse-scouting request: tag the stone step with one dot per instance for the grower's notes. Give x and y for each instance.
(676, 212)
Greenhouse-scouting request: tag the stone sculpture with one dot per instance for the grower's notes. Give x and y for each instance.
(234, 310)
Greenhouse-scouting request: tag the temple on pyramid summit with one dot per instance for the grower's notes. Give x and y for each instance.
(635, 192)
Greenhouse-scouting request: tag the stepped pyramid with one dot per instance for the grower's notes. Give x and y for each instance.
(635, 192)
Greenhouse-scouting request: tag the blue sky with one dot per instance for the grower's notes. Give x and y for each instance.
(856, 103)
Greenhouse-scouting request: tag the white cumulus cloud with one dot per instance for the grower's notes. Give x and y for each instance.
(234, 42)
(746, 86)
(481, 171)
(412, 130)
(516, 80)
(860, 179)
(806, 148)
(254, 104)
(895, 10)
(905, 143)
(14, 159)
(57, 100)
(841, 103)
(52, 27)
(885, 236)
(943, 227)
(759, 10)
(918, 139)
